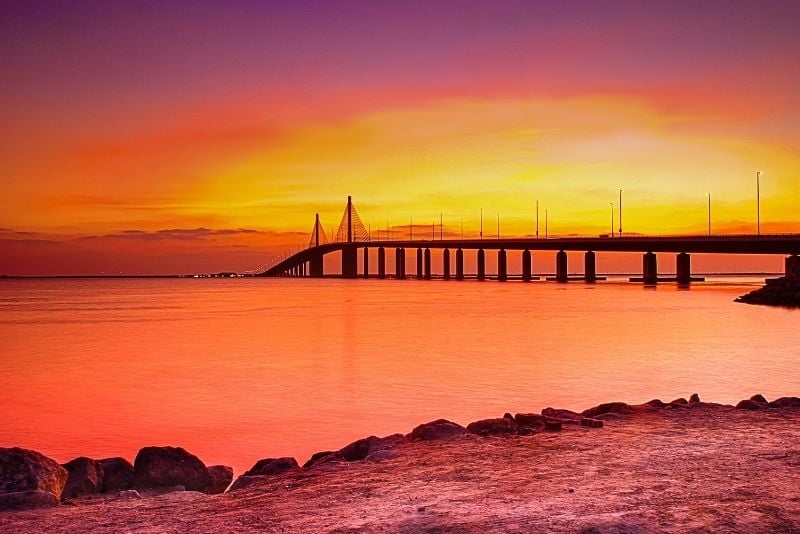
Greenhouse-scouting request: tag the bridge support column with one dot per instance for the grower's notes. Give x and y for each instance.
(683, 268)
(446, 264)
(315, 266)
(419, 264)
(366, 262)
(427, 264)
(349, 262)
(502, 264)
(400, 263)
(650, 268)
(561, 267)
(381, 263)
(590, 267)
(459, 264)
(793, 266)
(481, 264)
(526, 266)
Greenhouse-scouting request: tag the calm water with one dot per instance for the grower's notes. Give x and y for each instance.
(237, 370)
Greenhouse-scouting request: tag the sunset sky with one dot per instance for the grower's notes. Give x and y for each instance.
(203, 135)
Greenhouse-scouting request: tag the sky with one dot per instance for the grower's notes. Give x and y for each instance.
(199, 136)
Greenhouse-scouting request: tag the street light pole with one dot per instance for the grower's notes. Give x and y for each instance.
(709, 214)
(537, 219)
(545, 223)
(498, 226)
(481, 223)
(620, 212)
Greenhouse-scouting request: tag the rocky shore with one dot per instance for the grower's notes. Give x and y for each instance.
(513, 472)
(783, 291)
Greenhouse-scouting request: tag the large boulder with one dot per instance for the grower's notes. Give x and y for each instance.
(117, 474)
(22, 500)
(364, 448)
(24, 471)
(560, 413)
(272, 466)
(749, 404)
(499, 426)
(85, 478)
(164, 467)
(221, 478)
(245, 481)
(318, 457)
(435, 430)
(786, 402)
(608, 407)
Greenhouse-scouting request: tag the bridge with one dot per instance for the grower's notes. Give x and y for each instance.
(352, 237)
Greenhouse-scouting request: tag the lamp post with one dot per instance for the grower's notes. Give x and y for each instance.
(498, 226)
(545, 223)
(709, 213)
(481, 223)
(758, 202)
(620, 212)
(537, 219)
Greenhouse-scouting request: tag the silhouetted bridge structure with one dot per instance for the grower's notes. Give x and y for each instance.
(352, 238)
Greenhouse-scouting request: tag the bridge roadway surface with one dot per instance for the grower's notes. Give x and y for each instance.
(784, 244)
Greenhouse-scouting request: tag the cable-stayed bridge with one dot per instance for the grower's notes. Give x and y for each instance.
(352, 238)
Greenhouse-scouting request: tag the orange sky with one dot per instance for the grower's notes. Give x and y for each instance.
(144, 142)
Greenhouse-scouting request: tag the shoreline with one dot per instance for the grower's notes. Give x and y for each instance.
(443, 445)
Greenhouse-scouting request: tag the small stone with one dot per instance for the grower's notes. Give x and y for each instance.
(221, 478)
(749, 404)
(85, 477)
(493, 427)
(591, 423)
(129, 494)
(679, 401)
(552, 426)
(435, 430)
(695, 398)
(758, 398)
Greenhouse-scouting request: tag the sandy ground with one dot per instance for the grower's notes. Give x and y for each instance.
(696, 469)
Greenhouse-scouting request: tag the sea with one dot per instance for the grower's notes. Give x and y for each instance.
(235, 370)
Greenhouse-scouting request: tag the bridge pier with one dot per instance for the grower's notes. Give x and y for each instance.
(481, 264)
(683, 268)
(400, 263)
(792, 266)
(446, 264)
(590, 267)
(459, 264)
(316, 266)
(419, 264)
(650, 268)
(366, 262)
(427, 264)
(561, 267)
(502, 271)
(349, 262)
(381, 263)
(526, 266)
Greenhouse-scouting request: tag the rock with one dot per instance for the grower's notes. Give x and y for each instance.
(493, 427)
(561, 413)
(591, 423)
(85, 477)
(529, 420)
(23, 470)
(360, 449)
(749, 404)
(609, 407)
(117, 474)
(221, 478)
(508, 416)
(273, 466)
(246, 481)
(439, 429)
(655, 403)
(159, 467)
(552, 426)
(759, 398)
(679, 401)
(694, 398)
(784, 291)
(317, 457)
(129, 494)
(23, 500)
(786, 402)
